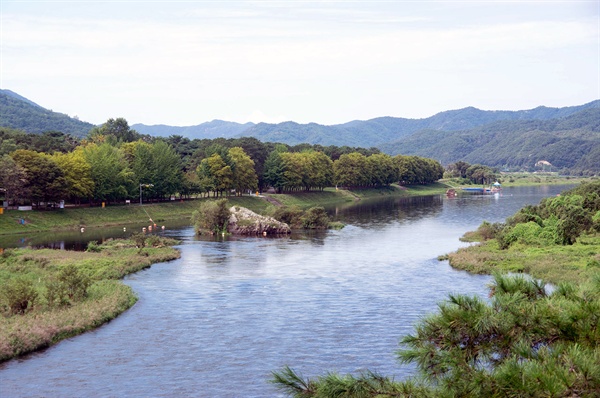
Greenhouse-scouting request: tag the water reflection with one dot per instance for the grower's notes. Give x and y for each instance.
(76, 239)
(386, 210)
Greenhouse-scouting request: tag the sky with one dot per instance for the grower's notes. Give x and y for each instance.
(183, 63)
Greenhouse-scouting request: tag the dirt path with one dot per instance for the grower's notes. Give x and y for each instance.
(271, 200)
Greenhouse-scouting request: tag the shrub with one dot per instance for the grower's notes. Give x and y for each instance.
(139, 239)
(93, 247)
(315, 218)
(212, 216)
(153, 241)
(19, 295)
(69, 286)
(291, 215)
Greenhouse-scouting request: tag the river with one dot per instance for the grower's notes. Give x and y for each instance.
(219, 320)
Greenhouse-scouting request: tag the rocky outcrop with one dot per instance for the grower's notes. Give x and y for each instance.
(245, 222)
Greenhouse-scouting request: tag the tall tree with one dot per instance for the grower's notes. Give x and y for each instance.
(215, 175)
(274, 168)
(114, 130)
(13, 178)
(45, 179)
(113, 179)
(244, 175)
(351, 170)
(77, 172)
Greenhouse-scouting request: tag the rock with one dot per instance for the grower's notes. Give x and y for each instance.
(245, 222)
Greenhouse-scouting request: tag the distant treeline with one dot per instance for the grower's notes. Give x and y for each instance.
(115, 163)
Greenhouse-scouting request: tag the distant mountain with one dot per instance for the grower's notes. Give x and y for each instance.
(368, 133)
(214, 129)
(18, 112)
(571, 142)
(380, 131)
(567, 137)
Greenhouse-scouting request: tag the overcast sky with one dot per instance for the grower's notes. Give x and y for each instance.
(187, 62)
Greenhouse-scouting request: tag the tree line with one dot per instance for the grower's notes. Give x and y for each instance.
(115, 163)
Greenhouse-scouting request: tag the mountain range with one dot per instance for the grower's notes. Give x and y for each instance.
(368, 133)
(567, 137)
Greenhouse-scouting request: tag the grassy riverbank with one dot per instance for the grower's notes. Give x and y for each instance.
(557, 263)
(331, 196)
(556, 241)
(50, 295)
(75, 218)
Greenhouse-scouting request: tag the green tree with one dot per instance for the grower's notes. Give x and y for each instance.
(13, 179)
(45, 179)
(215, 175)
(351, 170)
(157, 164)
(383, 170)
(321, 170)
(274, 168)
(77, 172)
(407, 169)
(294, 170)
(244, 175)
(480, 174)
(113, 179)
(114, 131)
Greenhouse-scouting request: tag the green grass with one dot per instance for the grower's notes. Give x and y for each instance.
(555, 263)
(45, 323)
(332, 196)
(74, 218)
(527, 179)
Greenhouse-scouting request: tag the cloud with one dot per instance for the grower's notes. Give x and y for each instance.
(300, 59)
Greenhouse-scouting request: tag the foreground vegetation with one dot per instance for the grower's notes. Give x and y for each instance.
(527, 340)
(49, 295)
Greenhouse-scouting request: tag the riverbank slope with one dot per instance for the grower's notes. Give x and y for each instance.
(18, 222)
(50, 295)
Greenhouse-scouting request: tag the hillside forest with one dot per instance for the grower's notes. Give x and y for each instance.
(114, 163)
(565, 140)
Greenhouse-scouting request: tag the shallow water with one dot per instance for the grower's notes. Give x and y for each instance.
(219, 320)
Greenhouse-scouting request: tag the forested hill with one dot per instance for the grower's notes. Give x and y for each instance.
(566, 137)
(20, 113)
(379, 131)
(210, 130)
(572, 142)
(361, 133)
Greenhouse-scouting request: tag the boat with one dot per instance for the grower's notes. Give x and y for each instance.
(494, 188)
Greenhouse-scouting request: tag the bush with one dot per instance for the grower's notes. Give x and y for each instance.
(93, 247)
(212, 216)
(291, 215)
(139, 239)
(69, 286)
(19, 295)
(315, 218)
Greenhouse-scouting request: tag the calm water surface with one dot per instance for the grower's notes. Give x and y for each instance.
(218, 321)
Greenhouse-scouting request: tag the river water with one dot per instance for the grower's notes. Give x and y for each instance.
(219, 320)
